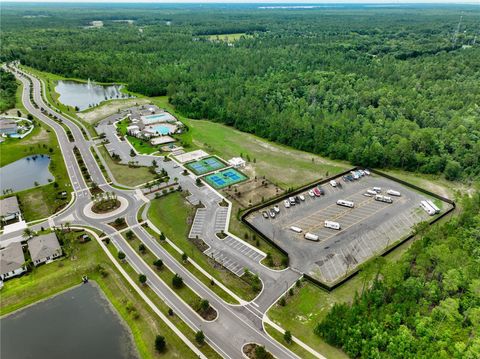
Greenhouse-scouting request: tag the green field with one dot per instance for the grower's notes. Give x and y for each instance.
(282, 165)
(60, 275)
(228, 37)
(42, 201)
(176, 228)
(123, 174)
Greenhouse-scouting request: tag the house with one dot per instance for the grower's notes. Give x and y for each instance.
(44, 248)
(237, 162)
(9, 209)
(8, 127)
(132, 129)
(12, 261)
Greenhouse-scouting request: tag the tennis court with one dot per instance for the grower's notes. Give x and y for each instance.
(225, 178)
(205, 165)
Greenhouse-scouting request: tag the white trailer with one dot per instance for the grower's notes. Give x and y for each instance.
(435, 208)
(332, 225)
(372, 192)
(311, 237)
(426, 207)
(296, 229)
(393, 193)
(381, 198)
(342, 202)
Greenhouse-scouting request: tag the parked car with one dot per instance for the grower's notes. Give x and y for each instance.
(276, 208)
(286, 203)
(302, 197)
(311, 193)
(297, 199)
(272, 213)
(322, 191)
(265, 214)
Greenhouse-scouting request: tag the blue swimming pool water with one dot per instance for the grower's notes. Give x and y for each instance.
(163, 130)
(154, 118)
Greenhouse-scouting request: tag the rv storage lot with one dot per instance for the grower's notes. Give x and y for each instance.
(366, 230)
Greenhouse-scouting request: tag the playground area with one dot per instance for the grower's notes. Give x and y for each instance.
(225, 178)
(205, 165)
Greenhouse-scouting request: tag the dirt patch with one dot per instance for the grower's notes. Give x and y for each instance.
(109, 109)
(253, 191)
(250, 350)
(39, 137)
(208, 314)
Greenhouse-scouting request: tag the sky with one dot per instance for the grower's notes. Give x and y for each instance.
(267, 1)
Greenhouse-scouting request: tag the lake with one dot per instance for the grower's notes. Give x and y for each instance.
(23, 174)
(83, 95)
(76, 324)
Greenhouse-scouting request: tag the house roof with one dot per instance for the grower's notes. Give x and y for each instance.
(9, 206)
(11, 258)
(235, 161)
(6, 124)
(43, 246)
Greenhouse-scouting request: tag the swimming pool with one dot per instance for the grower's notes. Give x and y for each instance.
(161, 129)
(225, 178)
(156, 118)
(205, 165)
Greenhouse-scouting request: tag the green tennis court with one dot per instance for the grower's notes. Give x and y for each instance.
(225, 178)
(205, 165)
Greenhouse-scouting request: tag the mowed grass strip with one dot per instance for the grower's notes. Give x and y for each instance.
(294, 347)
(175, 319)
(192, 269)
(48, 280)
(172, 215)
(165, 274)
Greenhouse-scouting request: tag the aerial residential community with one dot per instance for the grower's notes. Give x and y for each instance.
(173, 185)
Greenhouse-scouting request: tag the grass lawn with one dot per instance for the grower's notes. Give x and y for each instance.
(310, 304)
(53, 278)
(282, 165)
(294, 347)
(42, 201)
(188, 295)
(228, 37)
(176, 228)
(123, 174)
(141, 146)
(177, 321)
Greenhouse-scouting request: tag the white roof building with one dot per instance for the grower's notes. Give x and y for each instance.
(12, 261)
(237, 162)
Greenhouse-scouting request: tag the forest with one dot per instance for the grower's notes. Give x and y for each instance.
(427, 305)
(381, 87)
(8, 88)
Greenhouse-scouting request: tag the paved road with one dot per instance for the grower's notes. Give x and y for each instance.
(236, 325)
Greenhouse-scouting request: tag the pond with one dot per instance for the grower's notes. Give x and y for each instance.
(76, 324)
(25, 173)
(85, 95)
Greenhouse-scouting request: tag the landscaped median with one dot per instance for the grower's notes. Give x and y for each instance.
(175, 282)
(176, 227)
(206, 349)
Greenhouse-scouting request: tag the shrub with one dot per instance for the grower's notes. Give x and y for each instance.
(160, 343)
(177, 281)
(158, 263)
(200, 337)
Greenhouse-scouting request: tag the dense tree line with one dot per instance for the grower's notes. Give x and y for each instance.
(377, 87)
(427, 305)
(8, 88)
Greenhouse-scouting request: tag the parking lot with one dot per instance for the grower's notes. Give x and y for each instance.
(366, 229)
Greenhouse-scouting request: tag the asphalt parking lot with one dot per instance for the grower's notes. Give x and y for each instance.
(366, 230)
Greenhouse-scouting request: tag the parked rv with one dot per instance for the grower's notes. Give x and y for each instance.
(381, 198)
(427, 208)
(296, 229)
(311, 237)
(437, 210)
(393, 193)
(332, 225)
(342, 202)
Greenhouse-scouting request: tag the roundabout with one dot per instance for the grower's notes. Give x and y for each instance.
(88, 211)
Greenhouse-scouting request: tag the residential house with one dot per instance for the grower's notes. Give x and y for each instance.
(44, 248)
(9, 209)
(12, 261)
